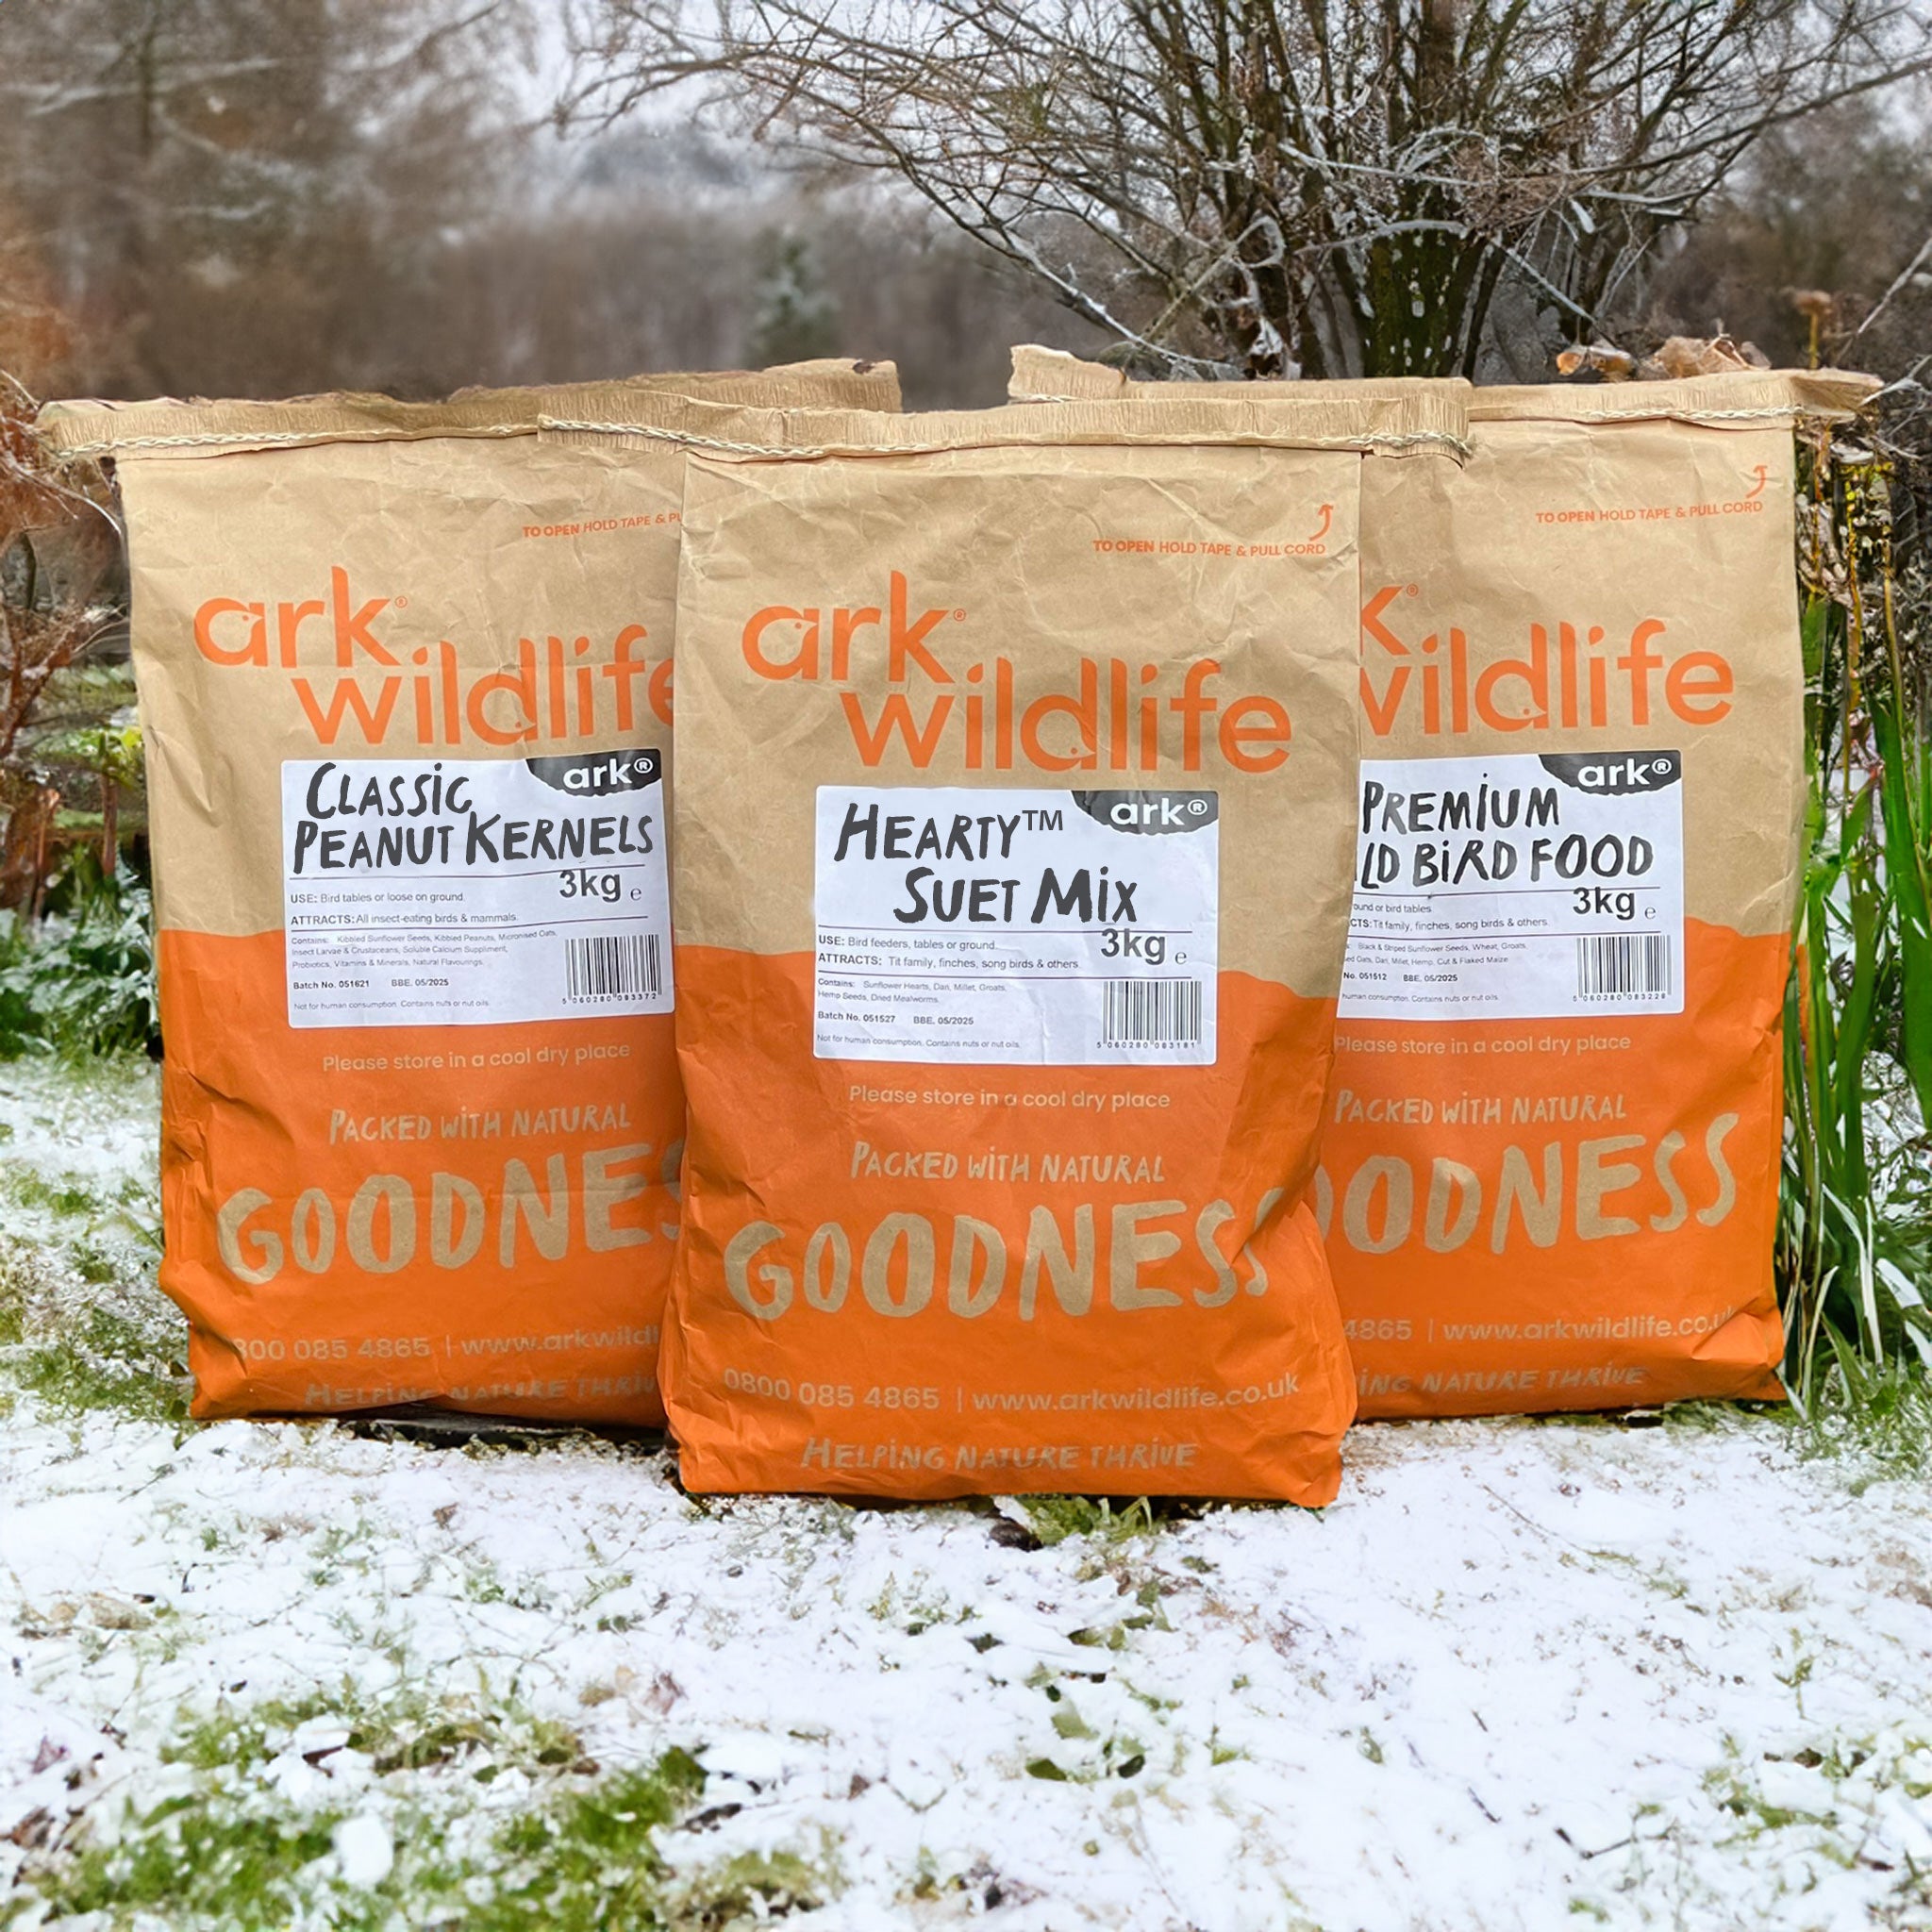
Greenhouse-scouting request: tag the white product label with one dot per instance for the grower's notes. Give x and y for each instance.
(1016, 929)
(470, 893)
(1520, 887)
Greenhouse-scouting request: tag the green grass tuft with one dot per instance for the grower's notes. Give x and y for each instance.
(591, 1862)
(115, 1349)
(233, 1853)
(749, 1890)
(1055, 1519)
(1854, 1232)
(407, 1729)
(1882, 1411)
(188, 1859)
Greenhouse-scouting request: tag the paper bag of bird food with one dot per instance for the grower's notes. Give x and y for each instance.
(1552, 1145)
(1014, 832)
(1550, 1164)
(405, 686)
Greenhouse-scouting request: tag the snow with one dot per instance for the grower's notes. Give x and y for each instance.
(364, 1849)
(100, 1126)
(1520, 1675)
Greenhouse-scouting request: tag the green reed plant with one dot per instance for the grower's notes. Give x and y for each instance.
(1854, 1238)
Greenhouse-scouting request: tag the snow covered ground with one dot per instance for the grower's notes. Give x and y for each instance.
(1518, 1675)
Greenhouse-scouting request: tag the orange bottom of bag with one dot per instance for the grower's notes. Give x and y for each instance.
(480, 1218)
(1619, 1256)
(840, 1324)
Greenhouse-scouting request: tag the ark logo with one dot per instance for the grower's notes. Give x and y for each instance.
(818, 652)
(559, 688)
(599, 773)
(1615, 773)
(221, 639)
(1120, 716)
(1573, 676)
(1150, 814)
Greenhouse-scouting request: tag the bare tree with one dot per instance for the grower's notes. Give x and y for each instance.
(216, 188)
(1820, 247)
(59, 544)
(1251, 186)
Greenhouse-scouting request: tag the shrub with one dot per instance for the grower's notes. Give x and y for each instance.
(82, 982)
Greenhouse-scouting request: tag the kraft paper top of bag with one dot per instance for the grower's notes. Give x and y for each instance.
(1054, 376)
(1742, 400)
(1419, 418)
(169, 427)
(1747, 399)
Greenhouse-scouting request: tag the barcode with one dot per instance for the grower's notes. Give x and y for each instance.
(620, 966)
(1624, 966)
(1150, 1012)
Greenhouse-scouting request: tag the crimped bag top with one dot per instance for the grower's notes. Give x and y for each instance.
(1738, 399)
(167, 427)
(1424, 417)
(1012, 819)
(1744, 399)
(1054, 376)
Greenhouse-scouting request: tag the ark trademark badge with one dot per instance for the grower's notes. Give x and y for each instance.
(1615, 773)
(598, 773)
(1150, 811)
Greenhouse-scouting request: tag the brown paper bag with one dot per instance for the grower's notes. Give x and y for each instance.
(1004, 742)
(1551, 1156)
(1549, 1159)
(405, 685)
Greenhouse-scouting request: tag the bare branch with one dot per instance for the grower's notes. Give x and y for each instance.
(1254, 181)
